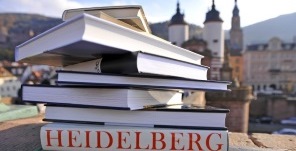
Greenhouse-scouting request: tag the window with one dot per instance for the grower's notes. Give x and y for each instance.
(264, 87)
(258, 87)
(287, 47)
(273, 86)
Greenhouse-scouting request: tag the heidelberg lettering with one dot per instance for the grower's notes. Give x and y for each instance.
(134, 140)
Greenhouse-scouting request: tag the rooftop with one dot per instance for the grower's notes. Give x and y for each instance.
(178, 18)
(213, 15)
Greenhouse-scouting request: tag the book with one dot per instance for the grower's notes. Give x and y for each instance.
(162, 116)
(136, 23)
(144, 81)
(142, 63)
(126, 98)
(105, 16)
(63, 136)
(132, 15)
(85, 38)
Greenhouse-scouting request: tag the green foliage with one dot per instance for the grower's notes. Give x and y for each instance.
(6, 54)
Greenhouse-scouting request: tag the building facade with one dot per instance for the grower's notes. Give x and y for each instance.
(237, 64)
(271, 66)
(178, 28)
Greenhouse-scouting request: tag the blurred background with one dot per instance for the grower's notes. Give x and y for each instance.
(251, 43)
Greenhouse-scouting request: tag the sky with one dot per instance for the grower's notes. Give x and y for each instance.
(251, 11)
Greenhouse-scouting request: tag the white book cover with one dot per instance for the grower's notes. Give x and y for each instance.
(86, 37)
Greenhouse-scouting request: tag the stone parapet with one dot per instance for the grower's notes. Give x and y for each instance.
(23, 134)
(236, 94)
(238, 102)
(277, 106)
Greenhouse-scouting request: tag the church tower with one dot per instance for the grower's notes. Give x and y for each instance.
(236, 33)
(213, 34)
(178, 28)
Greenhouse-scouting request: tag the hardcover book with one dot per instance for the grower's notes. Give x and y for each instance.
(61, 136)
(142, 63)
(105, 16)
(144, 81)
(86, 37)
(126, 98)
(132, 15)
(167, 116)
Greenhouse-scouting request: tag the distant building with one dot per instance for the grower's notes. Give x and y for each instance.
(212, 42)
(178, 28)
(235, 46)
(213, 34)
(37, 74)
(226, 63)
(200, 46)
(16, 69)
(9, 84)
(271, 66)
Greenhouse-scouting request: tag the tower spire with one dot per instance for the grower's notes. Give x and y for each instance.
(178, 7)
(235, 11)
(213, 4)
(236, 34)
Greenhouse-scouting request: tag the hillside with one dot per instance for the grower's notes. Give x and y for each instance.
(282, 26)
(16, 28)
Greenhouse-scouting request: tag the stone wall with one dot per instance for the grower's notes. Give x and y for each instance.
(276, 106)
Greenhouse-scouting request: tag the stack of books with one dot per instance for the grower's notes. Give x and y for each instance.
(120, 87)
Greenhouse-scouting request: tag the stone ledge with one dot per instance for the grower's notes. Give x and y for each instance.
(23, 134)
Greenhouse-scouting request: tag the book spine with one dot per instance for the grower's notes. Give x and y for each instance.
(130, 138)
(126, 63)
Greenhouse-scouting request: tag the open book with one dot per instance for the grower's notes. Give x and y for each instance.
(132, 15)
